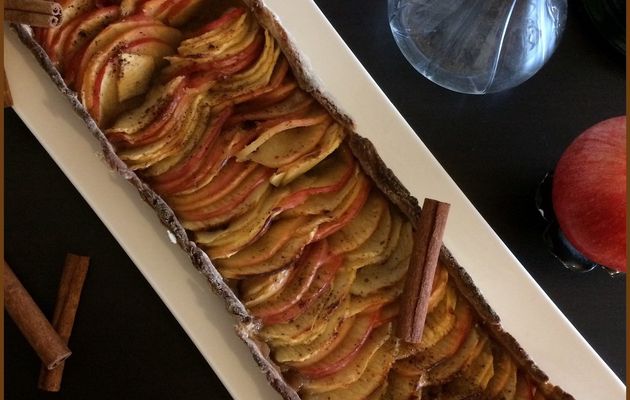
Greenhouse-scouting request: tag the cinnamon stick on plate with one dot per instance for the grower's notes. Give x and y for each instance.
(72, 279)
(8, 100)
(48, 345)
(424, 258)
(40, 13)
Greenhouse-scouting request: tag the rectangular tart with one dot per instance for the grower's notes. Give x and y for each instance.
(211, 113)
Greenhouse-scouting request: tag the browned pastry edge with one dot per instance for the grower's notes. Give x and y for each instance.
(370, 161)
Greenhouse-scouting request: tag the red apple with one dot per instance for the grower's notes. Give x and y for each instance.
(589, 193)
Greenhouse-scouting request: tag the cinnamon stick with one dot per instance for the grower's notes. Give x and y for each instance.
(70, 287)
(8, 100)
(32, 19)
(34, 6)
(33, 12)
(30, 320)
(424, 257)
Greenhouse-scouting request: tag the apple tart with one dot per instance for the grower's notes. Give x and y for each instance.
(292, 216)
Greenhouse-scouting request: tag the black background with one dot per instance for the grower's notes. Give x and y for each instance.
(496, 147)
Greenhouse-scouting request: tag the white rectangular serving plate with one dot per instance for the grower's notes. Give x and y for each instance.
(525, 310)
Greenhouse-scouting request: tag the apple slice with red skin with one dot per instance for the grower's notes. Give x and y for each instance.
(75, 69)
(158, 39)
(134, 74)
(174, 105)
(503, 367)
(524, 387)
(226, 180)
(589, 193)
(539, 395)
(105, 94)
(135, 42)
(289, 145)
(245, 180)
(304, 329)
(289, 309)
(219, 68)
(224, 40)
(440, 321)
(360, 228)
(473, 379)
(102, 41)
(211, 149)
(378, 299)
(70, 10)
(331, 176)
(332, 139)
(156, 107)
(509, 389)
(103, 111)
(192, 122)
(314, 271)
(256, 289)
(309, 326)
(280, 72)
(295, 104)
(282, 258)
(389, 311)
(353, 370)
(183, 11)
(439, 288)
(266, 246)
(81, 31)
(228, 17)
(445, 348)
(386, 273)
(130, 7)
(243, 230)
(225, 207)
(403, 387)
(173, 12)
(349, 208)
(157, 8)
(445, 370)
(268, 129)
(279, 94)
(201, 172)
(324, 203)
(301, 355)
(198, 153)
(186, 147)
(75, 8)
(346, 350)
(377, 247)
(373, 376)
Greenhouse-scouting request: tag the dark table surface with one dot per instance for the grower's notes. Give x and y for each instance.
(496, 147)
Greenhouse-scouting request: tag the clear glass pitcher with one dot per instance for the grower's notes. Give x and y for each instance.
(477, 46)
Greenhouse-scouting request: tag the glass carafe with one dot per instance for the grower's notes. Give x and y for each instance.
(477, 46)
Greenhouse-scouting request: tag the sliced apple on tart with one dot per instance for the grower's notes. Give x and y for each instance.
(147, 37)
(303, 355)
(386, 273)
(373, 376)
(303, 287)
(257, 289)
(354, 367)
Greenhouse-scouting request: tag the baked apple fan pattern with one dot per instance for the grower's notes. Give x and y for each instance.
(211, 117)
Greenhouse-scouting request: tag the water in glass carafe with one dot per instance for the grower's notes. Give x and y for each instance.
(477, 46)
